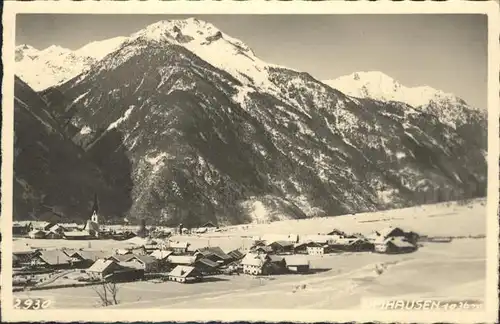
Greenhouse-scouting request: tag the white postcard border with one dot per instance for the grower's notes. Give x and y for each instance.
(232, 7)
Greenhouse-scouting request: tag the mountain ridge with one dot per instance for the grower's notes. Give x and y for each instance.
(298, 148)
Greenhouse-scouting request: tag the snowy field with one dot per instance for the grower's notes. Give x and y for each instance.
(452, 270)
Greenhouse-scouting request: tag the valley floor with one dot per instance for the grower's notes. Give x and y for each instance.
(451, 270)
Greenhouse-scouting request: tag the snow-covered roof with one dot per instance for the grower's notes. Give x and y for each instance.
(182, 271)
(160, 254)
(100, 265)
(182, 259)
(254, 259)
(179, 245)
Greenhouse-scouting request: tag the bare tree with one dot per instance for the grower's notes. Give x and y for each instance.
(107, 292)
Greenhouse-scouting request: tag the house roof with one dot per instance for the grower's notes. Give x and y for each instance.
(90, 254)
(236, 254)
(160, 254)
(208, 263)
(385, 232)
(296, 260)
(254, 259)
(209, 224)
(336, 232)
(54, 257)
(400, 242)
(215, 250)
(146, 259)
(319, 238)
(179, 245)
(182, 259)
(122, 257)
(266, 249)
(282, 243)
(182, 271)
(101, 265)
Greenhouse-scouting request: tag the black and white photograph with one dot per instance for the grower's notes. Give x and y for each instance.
(330, 162)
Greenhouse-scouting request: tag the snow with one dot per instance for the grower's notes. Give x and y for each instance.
(86, 130)
(447, 270)
(379, 86)
(99, 49)
(121, 119)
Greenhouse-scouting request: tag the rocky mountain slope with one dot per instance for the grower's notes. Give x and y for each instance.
(41, 69)
(214, 133)
(53, 177)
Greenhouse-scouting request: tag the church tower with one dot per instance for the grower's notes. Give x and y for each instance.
(95, 210)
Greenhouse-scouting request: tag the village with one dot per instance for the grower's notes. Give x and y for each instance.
(152, 254)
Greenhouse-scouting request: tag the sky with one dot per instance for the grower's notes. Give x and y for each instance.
(446, 52)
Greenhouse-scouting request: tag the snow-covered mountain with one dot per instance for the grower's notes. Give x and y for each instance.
(42, 69)
(379, 86)
(214, 133)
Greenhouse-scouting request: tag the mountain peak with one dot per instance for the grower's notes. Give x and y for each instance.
(379, 86)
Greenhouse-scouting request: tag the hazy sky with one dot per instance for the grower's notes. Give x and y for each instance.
(447, 52)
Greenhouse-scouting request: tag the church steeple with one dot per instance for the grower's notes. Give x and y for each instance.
(95, 210)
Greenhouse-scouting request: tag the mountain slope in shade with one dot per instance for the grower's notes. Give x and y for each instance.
(449, 108)
(41, 69)
(214, 133)
(53, 177)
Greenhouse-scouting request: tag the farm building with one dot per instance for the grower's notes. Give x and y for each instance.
(78, 235)
(124, 274)
(337, 232)
(20, 229)
(385, 233)
(178, 247)
(297, 263)
(184, 274)
(161, 255)
(261, 249)
(207, 266)
(321, 239)
(276, 265)
(254, 264)
(236, 255)
(352, 245)
(269, 238)
(144, 262)
(187, 260)
(209, 225)
(281, 247)
(102, 268)
(53, 235)
(53, 259)
(85, 258)
(394, 245)
(121, 257)
(316, 248)
(300, 248)
(36, 234)
(215, 254)
(22, 258)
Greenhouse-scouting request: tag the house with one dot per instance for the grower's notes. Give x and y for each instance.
(58, 229)
(297, 263)
(20, 229)
(185, 274)
(53, 235)
(337, 232)
(236, 255)
(78, 235)
(22, 258)
(36, 234)
(276, 265)
(352, 245)
(255, 264)
(144, 262)
(125, 274)
(206, 266)
(85, 258)
(385, 233)
(121, 257)
(215, 254)
(316, 248)
(209, 225)
(101, 268)
(187, 260)
(300, 248)
(393, 245)
(53, 259)
(261, 249)
(178, 247)
(161, 255)
(282, 247)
